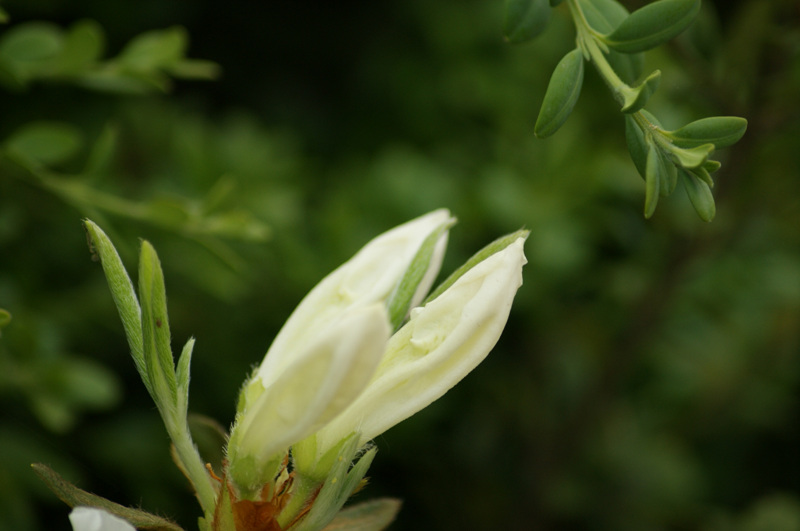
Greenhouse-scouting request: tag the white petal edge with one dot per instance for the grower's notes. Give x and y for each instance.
(368, 277)
(317, 385)
(437, 348)
(94, 519)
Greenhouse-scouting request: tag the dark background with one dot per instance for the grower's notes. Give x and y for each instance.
(649, 375)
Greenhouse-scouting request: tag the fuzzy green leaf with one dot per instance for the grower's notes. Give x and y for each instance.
(722, 131)
(525, 19)
(122, 293)
(74, 496)
(561, 95)
(155, 330)
(373, 515)
(700, 195)
(652, 25)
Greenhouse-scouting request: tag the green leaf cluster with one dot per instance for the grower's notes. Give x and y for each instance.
(613, 40)
(43, 52)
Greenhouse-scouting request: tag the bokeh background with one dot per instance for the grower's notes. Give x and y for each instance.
(649, 375)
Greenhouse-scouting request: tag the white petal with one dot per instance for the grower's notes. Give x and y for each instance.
(321, 381)
(440, 344)
(368, 277)
(93, 519)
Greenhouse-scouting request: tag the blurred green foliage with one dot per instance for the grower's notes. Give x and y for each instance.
(649, 377)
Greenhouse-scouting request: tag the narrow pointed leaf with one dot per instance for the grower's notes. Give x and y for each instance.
(182, 377)
(655, 172)
(74, 496)
(525, 19)
(700, 195)
(561, 95)
(155, 329)
(122, 293)
(722, 131)
(653, 24)
(373, 515)
(634, 98)
(636, 145)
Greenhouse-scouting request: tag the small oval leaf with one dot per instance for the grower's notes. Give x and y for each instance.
(636, 145)
(700, 195)
(45, 143)
(634, 98)
(562, 94)
(722, 131)
(525, 19)
(654, 174)
(690, 158)
(603, 15)
(652, 25)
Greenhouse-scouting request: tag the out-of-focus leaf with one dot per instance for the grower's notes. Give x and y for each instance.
(44, 143)
(373, 515)
(32, 42)
(154, 49)
(5, 319)
(195, 69)
(83, 46)
(561, 95)
(603, 15)
(652, 25)
(525, 19)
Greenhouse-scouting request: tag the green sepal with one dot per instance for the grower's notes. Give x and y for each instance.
(525, 19)
(122, 292)
(495, 247)
(74, 496)
(633, 99)
(699, 194)
(561, 95)
(399, 302)
(722, 131)
(374, 515)
(652, 25)
(340, 484)
(155, 331)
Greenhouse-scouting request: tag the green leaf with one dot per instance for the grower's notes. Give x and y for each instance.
(182, 377)
(634, 98)
(690, 158)
(700, 195)
(74, 496)
(711, 165)
(603, 15)
(83, 47)
(525, 19)
(652, 25)
(722, 131)
(661, 176)
(155, 331)
(123, 294)
(554, 3)
(637, 146)
(44, 143)
(628, 66)
(373, 515)
(102, 152)
(194, 69)
(561, 95)
(32, 42)
(495, 247)
(4, 18)
(5, 318)
(154, 50)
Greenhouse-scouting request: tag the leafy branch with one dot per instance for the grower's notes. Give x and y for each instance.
(613, 40)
